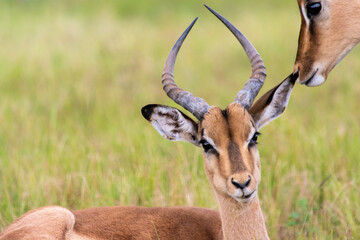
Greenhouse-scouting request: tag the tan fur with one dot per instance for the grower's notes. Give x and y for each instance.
(328, 37)
(51, 222)
(242, 221)
(239, 220)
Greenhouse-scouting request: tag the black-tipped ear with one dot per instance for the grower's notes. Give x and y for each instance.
(273, 103)
(293, 77)
(147, 110)
(171, 123)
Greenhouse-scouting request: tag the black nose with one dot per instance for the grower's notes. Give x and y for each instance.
(241, 185)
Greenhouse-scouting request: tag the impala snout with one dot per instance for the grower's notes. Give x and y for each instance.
(242, 186)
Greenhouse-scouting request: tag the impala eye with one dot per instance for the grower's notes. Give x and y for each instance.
(206, 145)
(313, 9)
(255, 138)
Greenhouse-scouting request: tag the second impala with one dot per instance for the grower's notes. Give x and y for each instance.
(329, 30)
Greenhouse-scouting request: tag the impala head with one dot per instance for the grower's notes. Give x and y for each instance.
(329, 30)
(228, 137)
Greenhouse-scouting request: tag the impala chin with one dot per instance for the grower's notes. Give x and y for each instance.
(312, 79)
(315, 80)
(244, 196)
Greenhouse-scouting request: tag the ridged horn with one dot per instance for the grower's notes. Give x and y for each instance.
(247, 95)
(197, 106)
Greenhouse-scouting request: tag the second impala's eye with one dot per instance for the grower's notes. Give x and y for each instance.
(313, 9)
(206, 145)
(255, 138)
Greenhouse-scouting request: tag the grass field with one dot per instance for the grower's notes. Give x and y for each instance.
(75, 74)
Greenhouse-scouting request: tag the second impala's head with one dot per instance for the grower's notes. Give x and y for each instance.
(329, 30)
(228, 137)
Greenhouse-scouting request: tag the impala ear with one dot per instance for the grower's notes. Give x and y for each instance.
(171, 123)
(273, 103)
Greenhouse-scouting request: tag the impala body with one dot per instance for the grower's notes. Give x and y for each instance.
(329, 30)
(228, 138)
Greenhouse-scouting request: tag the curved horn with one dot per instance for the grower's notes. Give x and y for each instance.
(197, 106)
(247, 95)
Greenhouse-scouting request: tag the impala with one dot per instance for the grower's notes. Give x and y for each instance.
(329, 30)
(228, 139)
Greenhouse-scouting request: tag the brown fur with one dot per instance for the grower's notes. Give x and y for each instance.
(149, 223)
(328, 37)
(55, 222)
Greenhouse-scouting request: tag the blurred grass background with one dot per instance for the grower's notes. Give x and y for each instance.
(74, 75)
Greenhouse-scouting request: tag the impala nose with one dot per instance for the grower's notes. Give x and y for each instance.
(241, 185)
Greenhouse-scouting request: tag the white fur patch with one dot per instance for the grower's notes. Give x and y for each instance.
(209, 140)
(251, 135)
(173, 125)
(303, 11)
(278, 104)
(316, 81)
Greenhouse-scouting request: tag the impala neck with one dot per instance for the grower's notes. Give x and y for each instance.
(241, 220)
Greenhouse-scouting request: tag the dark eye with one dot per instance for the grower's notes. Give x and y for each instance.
(313, 9)
(255, 138)
(206, 145)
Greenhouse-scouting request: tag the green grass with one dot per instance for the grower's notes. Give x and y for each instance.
(74, 75)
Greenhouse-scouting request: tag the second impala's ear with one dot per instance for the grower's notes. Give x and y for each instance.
(171, 123)
(273, 103)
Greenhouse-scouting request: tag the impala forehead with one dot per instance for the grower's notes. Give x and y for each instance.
(234, 124)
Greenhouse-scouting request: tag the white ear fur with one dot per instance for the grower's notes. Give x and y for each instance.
(273, 103)
(171, 123)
